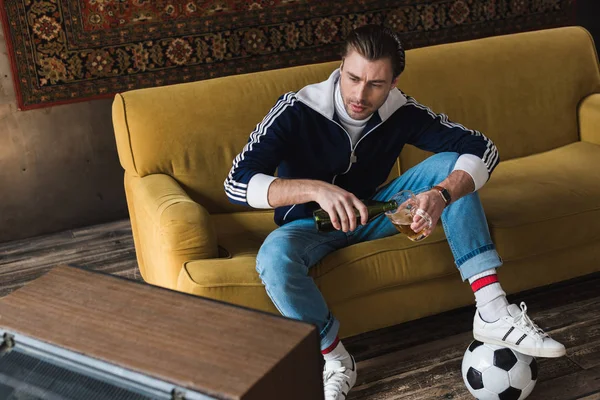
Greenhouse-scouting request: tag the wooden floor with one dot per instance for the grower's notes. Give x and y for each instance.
(416, 360)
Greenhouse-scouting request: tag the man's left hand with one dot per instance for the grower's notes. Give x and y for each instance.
(433, 204)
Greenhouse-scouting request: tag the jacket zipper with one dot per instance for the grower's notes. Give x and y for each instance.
(353, 158)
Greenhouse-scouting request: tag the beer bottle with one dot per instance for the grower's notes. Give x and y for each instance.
(374, 208)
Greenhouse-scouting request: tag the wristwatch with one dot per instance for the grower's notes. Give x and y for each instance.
(444, 193)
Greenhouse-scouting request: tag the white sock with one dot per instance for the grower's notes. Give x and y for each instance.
(339, 353)
(491, 299)
(494, 310)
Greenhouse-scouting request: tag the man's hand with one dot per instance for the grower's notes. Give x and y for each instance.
(340, 205)
(432, 203)
(459, 183)
(337, 202)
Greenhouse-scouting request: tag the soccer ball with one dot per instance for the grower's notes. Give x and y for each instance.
(498, 373)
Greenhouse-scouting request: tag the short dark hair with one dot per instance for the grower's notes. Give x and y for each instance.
(375, 42)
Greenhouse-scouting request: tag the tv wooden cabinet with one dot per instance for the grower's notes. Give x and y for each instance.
(195, 344)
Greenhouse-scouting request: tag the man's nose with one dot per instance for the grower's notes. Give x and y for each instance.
(361, 92)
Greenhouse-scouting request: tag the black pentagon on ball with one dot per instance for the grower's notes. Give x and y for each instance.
(510, 394)
(534, 369)
(474, 344)
(504, 359)
(474, 378)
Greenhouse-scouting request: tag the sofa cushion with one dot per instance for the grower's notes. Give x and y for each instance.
(521, 91)
(544, 202)
(383, 264)
(347, 273)
(343, 275)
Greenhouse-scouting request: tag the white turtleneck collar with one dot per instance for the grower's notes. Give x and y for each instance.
(354, 127)
(320, 97)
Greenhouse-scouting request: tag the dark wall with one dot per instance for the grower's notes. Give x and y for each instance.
(59, 167)
(588, 16)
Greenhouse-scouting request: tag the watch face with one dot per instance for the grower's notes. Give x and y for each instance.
(446, 195)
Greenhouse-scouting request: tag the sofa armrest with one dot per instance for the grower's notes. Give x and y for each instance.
(589, 119)
(169, 227)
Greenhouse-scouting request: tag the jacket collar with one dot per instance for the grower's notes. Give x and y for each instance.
(319, 97)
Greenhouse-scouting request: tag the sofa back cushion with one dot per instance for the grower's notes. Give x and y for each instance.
(193, 131)
(521, 90)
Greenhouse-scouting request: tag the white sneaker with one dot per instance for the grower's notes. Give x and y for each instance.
(338, 379)
(517, 332)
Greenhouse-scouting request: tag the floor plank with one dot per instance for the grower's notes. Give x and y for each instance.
(107, 247)
(572, 386)
(587, 355)
(595, 396)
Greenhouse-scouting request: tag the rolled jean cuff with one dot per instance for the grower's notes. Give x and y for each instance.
(330, 332)
(477, 261)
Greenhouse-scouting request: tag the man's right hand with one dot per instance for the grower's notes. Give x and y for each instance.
(340, 205)
(337, 202)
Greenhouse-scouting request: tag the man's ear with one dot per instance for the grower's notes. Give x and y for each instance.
(342, 65)
(394, 82)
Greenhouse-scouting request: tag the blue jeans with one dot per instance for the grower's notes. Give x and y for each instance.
(287, 254)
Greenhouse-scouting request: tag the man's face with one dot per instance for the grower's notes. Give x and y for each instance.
(365, 84)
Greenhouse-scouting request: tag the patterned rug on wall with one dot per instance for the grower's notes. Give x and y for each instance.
(64, 51)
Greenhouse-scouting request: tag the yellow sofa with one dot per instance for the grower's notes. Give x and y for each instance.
(537, 95)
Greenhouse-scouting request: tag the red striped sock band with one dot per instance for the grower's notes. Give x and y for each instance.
(333, 346)
(483, 282)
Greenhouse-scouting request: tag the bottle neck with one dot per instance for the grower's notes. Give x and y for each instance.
(390, 205)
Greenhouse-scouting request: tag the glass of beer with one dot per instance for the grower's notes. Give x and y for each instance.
(402, 217)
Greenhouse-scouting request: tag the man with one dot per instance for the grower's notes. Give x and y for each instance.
(335, 143)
